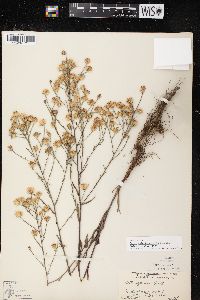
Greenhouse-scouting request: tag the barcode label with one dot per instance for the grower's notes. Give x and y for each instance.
(19, 39)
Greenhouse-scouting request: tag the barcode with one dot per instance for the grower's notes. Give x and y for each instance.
(20, 39)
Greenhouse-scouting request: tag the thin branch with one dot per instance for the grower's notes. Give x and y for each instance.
(28, 223)
(68, 218)
(29, 248)
(22, 157)
(62, 183)
(51, 264)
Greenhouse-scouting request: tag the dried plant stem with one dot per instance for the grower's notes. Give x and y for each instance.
(78, 206)
(152, 127)
(52, 261)
(61, 241)
(29, 248)
(68, 218)
(39, 230)
(46, 185)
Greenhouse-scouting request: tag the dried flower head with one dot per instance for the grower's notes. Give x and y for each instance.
(45, 92)
(72, 153)
(30, 190)
(46, 208)
(36, 134)
(57, 144)
(26, 203)
(34, 232)
(32, 119)
(19, 201)
(91, 102)
(84, 186)
(47, 218)
(35, 201)
(87, 61)
(42, 122)
(69, 126)
(53, 123)
(32, 164)
(139, 110)
(54, 246)
(56, 101)
(45, 141)
(35, 148)
(130, 101)
(89, 69)
(49, 150)
(10, 148)
(54, 112)
(142, 89)
(18, 214)
(71, 64)
(38, 194)
(97, 123)
(133, 122)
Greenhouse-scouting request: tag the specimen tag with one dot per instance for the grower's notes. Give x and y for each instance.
(12, 291)
(160, 278)
(154, 243)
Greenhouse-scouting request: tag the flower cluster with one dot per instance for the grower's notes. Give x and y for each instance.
(21, 123)
(33, 205)
(116, 116)
(83, 110)
(69, 79)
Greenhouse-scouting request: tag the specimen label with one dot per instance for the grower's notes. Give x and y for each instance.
(154, 243)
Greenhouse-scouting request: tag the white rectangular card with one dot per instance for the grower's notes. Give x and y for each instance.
(172, 53)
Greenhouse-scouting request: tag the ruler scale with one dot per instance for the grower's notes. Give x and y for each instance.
(100, 10)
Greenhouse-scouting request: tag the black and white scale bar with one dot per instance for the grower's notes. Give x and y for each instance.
(100, 10)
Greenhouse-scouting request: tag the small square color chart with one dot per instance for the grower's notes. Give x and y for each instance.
(51, 11)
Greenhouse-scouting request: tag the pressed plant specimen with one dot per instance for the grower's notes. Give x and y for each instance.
(60, 149)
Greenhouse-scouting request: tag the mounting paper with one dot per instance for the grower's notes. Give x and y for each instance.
(155, 200)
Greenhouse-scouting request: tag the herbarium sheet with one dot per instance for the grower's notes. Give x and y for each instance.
(96, 188)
